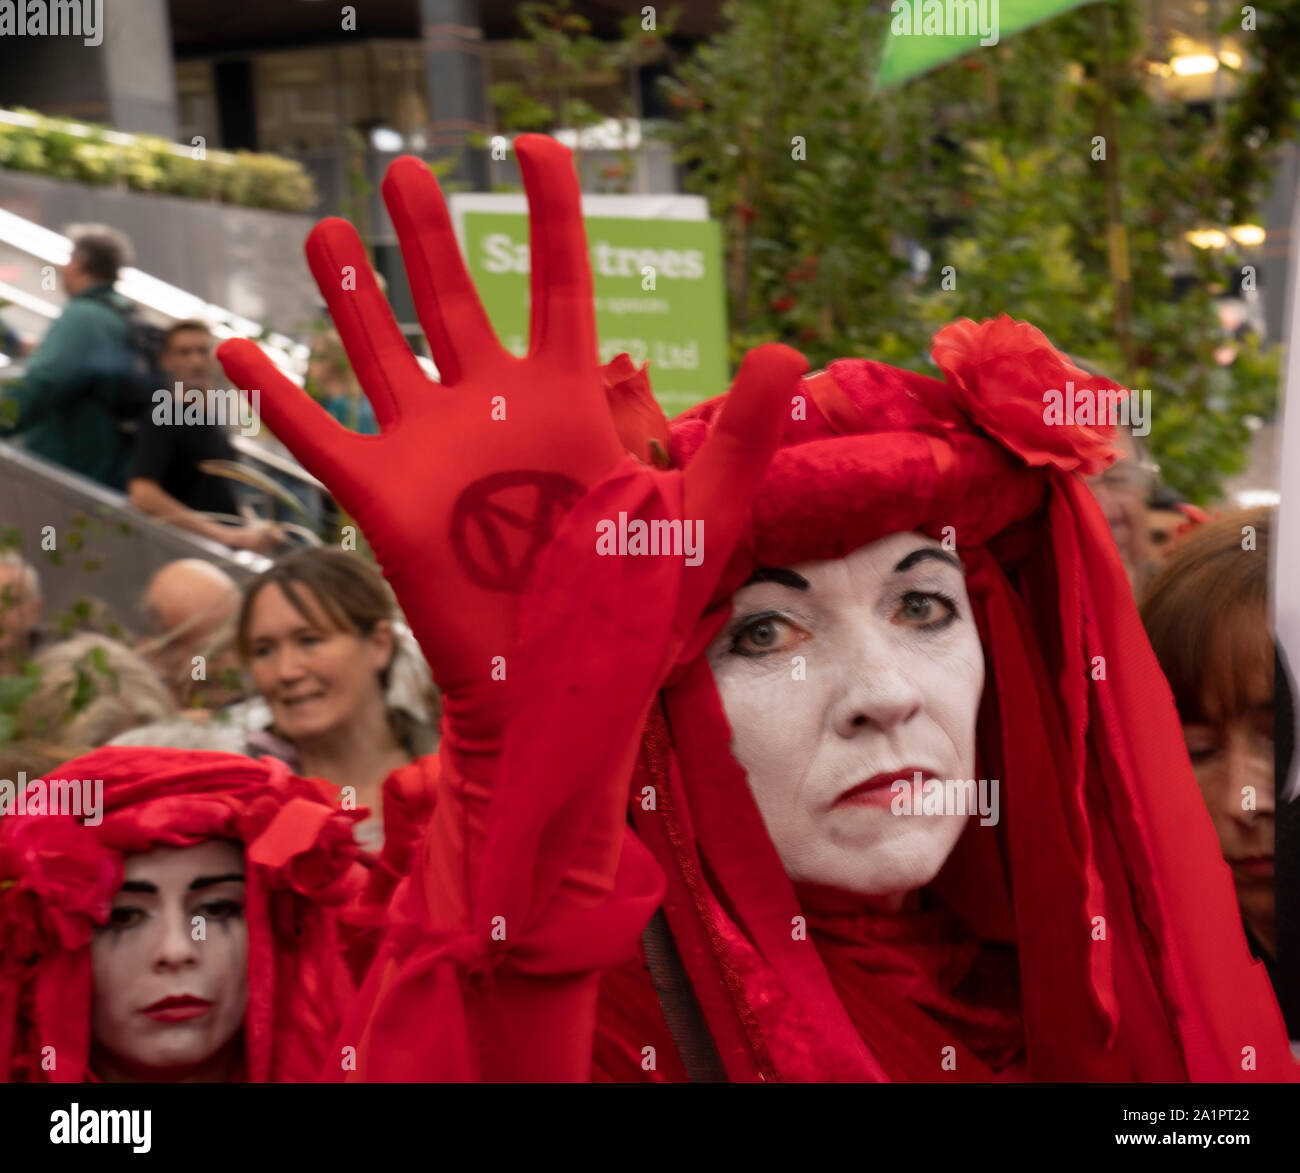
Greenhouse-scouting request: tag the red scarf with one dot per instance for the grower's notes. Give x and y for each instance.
(916, 981)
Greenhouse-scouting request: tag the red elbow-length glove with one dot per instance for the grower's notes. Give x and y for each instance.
(461, 495)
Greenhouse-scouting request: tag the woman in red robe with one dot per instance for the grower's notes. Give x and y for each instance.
(805, 594)
(181, 927)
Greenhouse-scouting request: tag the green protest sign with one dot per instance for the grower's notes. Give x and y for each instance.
(658, 291)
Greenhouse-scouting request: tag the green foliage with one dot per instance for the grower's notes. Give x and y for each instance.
(14, 691)
(987, 165)
(573, 79)
(1268, 108)
(147, 163)
(809, 242)
(93, 672)
(563, 62)
(1016, 247)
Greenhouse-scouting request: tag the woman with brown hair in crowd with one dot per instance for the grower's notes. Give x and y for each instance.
(1207, 616)
(318, 635)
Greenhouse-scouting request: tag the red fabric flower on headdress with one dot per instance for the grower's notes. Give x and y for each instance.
(304, 845)
(639, 420)
(1001, 372)
(57, 882)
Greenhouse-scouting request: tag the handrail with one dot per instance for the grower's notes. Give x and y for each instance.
(255, 451)
(153, 293)
(29, 301)
(91, 495)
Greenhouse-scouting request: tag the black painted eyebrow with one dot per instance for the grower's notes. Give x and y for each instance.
(201, 882)
(925, 553)
(197, 885)
(781, 576)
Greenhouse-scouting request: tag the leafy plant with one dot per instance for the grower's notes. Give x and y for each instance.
(93, 672)
(148, 163)
(569, 78)
(857, 224)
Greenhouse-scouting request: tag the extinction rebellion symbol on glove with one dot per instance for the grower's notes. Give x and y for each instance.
(502, 522)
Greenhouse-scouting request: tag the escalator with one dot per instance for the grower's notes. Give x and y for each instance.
(83, 538)
(88, 543)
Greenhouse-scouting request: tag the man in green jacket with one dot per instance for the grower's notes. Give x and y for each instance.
(79, 383)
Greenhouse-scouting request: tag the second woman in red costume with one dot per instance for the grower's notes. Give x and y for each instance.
(182, 927)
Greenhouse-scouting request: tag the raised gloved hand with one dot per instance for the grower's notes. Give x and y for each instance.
(469, 477)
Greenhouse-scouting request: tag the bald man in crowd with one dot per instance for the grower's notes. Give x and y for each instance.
(20, 612)
(189, 609)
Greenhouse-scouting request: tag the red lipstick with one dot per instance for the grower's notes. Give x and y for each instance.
(180, 1008)
(1255, 867)
(878, 789)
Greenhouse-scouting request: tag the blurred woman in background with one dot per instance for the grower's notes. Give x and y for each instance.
(330, 379)
(1206, 614)
(317, 634)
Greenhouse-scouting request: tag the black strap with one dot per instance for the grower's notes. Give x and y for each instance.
(681, 1010)
(105, 297)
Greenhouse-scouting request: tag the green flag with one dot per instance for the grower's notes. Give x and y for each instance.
(924, 34)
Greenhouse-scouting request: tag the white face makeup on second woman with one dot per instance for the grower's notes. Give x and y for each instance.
(890, 682)
(165, 1003)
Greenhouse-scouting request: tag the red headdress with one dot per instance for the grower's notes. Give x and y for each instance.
(58, 875)
(1104, 871)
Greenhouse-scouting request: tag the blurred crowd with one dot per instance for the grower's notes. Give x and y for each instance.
(88, 399)
(271, 670)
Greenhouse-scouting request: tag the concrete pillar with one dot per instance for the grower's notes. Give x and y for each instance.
(139, 71)
(452, 35)
(128, 81)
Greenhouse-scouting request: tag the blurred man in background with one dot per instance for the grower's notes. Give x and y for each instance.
(1122, 492)
(20, 611)
(79, 386)
(165, 479)
(189, 610)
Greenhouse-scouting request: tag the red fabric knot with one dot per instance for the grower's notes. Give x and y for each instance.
(831, 400)
(57, 881)
(860, 396)
(303, 844)
(418, 949)
(1001, 371)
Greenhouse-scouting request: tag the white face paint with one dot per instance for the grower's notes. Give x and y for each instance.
(165, 1004)
(890, 682)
